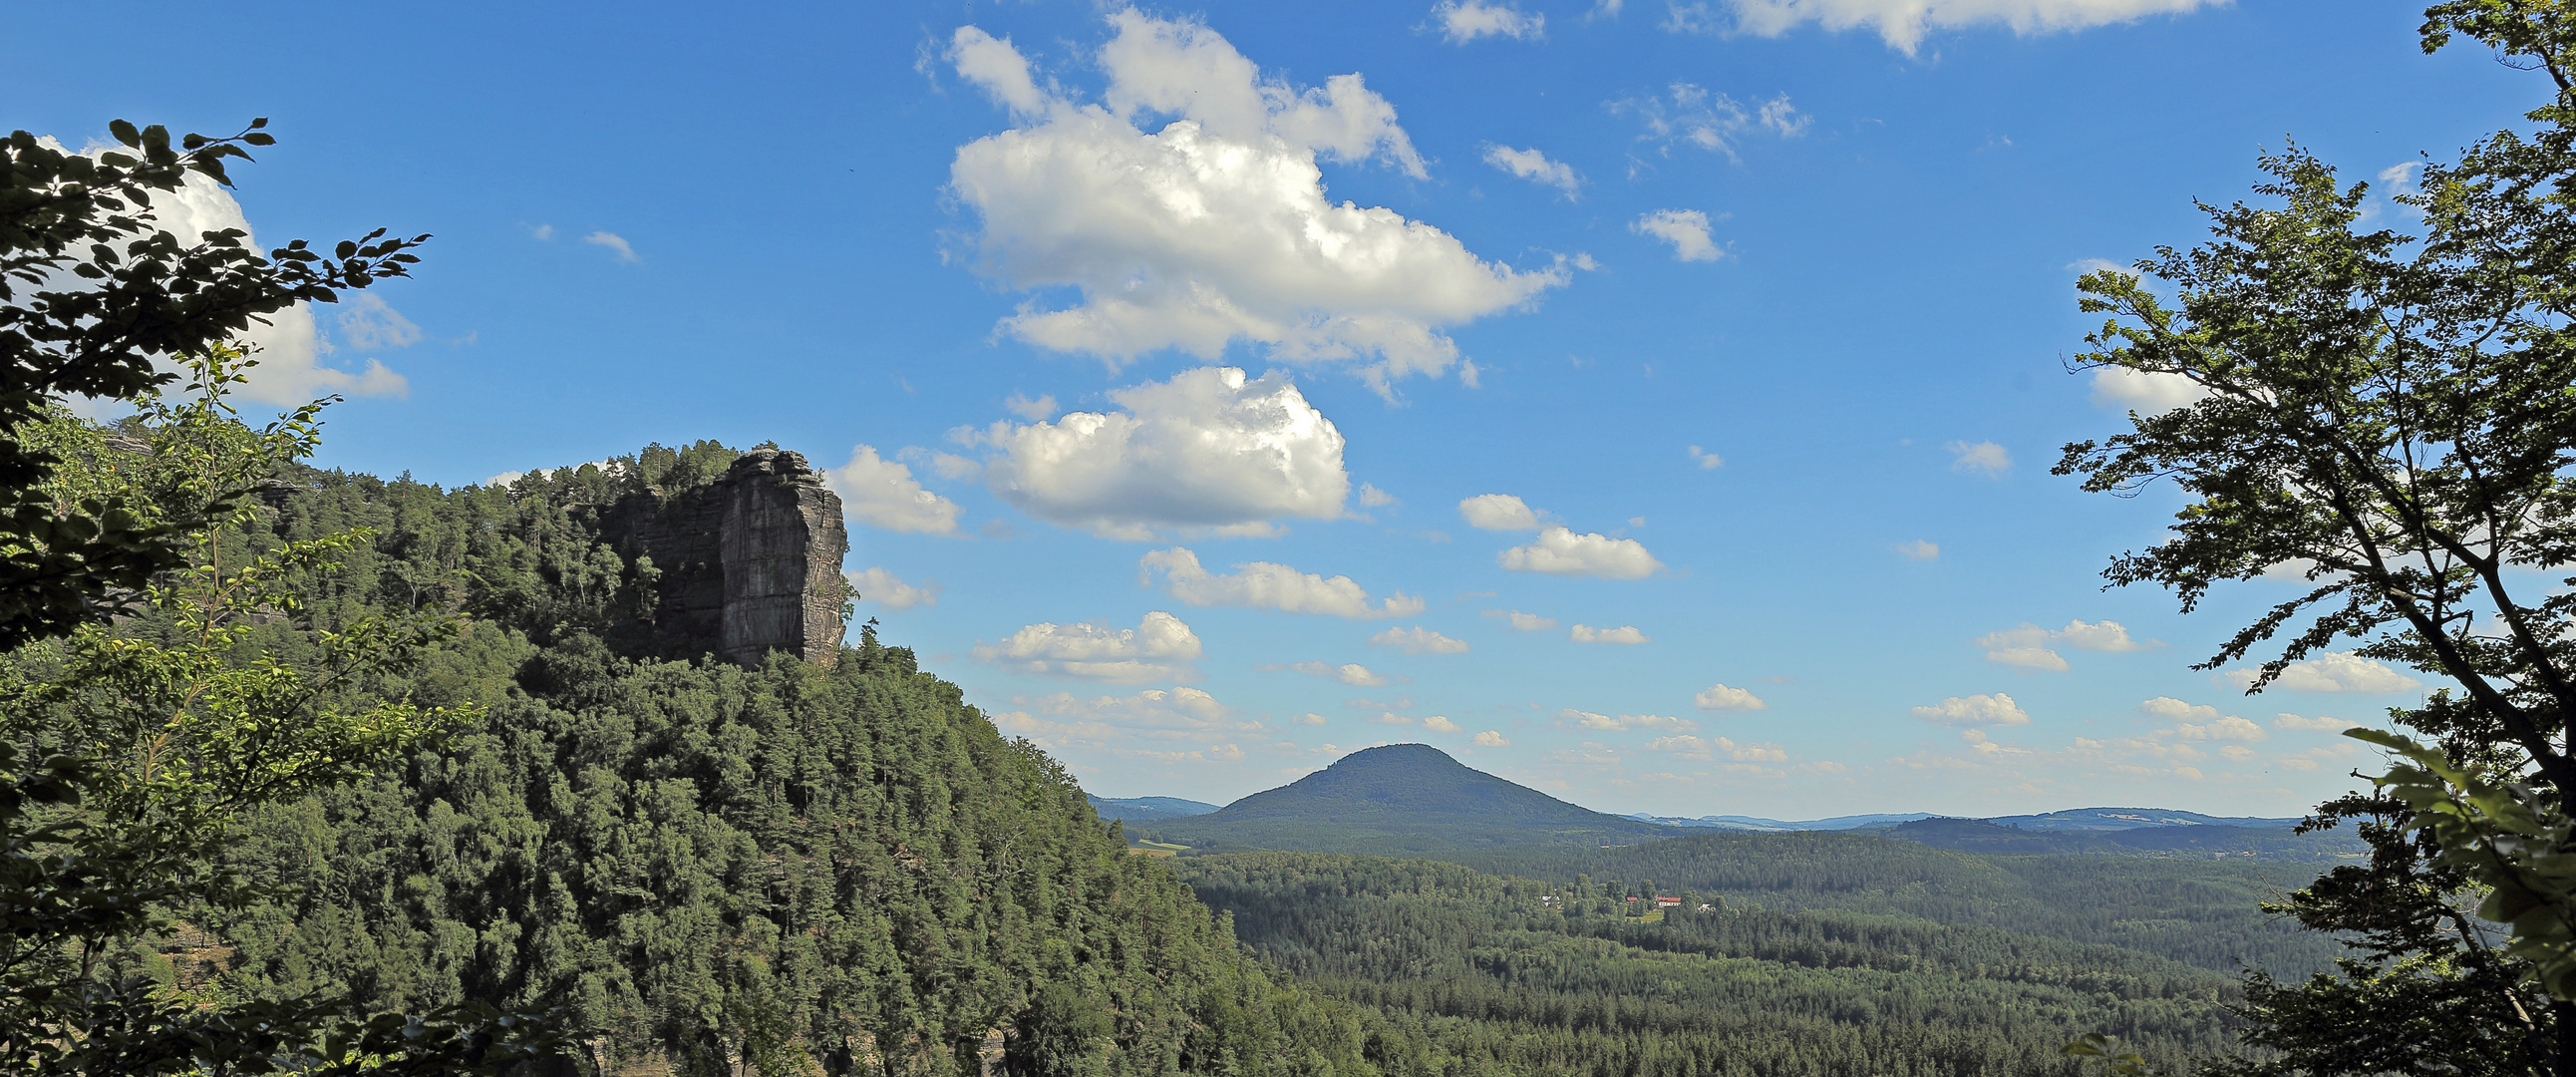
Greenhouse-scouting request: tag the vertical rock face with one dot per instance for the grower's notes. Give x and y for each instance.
(749, 563)
(782, 544)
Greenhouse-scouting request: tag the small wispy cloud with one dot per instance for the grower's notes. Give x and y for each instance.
(1462, 21)
(368, 323)
(612, 241)
(1624, 634)
(1038, 410)
(1419, 641)
(1685, 229)
(1984, 457)
(1694, 116)
(1536, 167)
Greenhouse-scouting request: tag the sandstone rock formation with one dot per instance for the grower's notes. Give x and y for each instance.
(749, 563)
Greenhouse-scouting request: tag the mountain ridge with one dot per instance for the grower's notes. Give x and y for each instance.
(1409, 798)
(2070, 819)
(1141, 809)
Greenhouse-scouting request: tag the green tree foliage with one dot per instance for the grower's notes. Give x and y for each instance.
(2390, 414)
(92, 294)
(131, 752)
(2202, 913)
(783, 870)
(1501, 975)
(157, 736)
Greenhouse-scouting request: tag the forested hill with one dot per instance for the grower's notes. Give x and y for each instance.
(2201, 842)
(1522, 976)
(1143, 808)
(713, 869)
(1400, 798)
(2197, 911)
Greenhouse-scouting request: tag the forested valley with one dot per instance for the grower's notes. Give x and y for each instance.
(1864, 955)
(687, 866)
(703, 868)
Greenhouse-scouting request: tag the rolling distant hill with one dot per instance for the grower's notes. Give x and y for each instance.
(1401, 799)
(1414, 800)
(2258, 842)
(1141, 809)
(2131, 819)
(2072, 819)
(1755, 822)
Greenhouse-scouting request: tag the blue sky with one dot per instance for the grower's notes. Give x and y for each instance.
(1168, 356)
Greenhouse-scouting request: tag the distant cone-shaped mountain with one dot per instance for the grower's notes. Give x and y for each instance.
(1397, 799)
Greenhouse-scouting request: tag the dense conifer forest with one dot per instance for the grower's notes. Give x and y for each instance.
(709, 868)
(796, 868)
(2205, 913)
(1869, 959)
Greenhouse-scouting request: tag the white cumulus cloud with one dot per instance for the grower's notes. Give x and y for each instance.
(2333, 671)
(1707, 461)
(1903, 23)
(1709, 748)
(1268, 586)
(1919, 550)
(2197, 721)
(2024, 656)
(1160, 648)
(2105, 636)
(1462, 21)
(1492, 738)
(1205, 449)
(1624, 634)
(1179, 725)
(2229, 727)
(1522, 622)
(1685, 229)
(1976, 710)
(2318, 724)
(881, 587)
(2031, 647)
(1984, 457)
(1351, 673)
(1498, 512)
(1719, 697)
(1213, 226)
(1418, 640)
(290, 346)
(882, 493)
(1604, 723)
(2142, 391)
(1440, 723)
(1535, 167)
(1561, 552)
(2178, 710)
(997, 66)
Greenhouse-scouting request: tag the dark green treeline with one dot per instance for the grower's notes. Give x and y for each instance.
(1526, 977)
(798, 869)
(728, 870)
